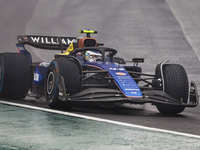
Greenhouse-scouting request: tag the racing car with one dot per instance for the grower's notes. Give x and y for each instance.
(87, 72)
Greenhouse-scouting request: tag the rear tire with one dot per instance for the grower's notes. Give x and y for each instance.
(176, 85)
(69, 70)
(15, 75)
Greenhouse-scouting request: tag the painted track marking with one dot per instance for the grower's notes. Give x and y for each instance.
(101, 120)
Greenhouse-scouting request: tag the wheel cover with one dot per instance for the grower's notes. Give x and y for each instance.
(50, 83)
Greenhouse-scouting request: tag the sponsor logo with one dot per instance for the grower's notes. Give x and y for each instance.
(116, 69)
(133, 92)
(36, 77)
(120, 73)
(52, 40)
(132, 89)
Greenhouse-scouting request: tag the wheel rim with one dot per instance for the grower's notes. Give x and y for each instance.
(50, 83)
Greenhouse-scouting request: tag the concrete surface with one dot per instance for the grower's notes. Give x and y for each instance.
(23, 129)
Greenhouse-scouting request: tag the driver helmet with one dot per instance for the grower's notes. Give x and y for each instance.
(92, 56)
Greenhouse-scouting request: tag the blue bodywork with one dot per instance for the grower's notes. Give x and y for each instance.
(39, 75)
(23, 50)
(122, 79)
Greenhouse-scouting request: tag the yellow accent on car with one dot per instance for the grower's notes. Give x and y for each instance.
(69, 49)
(86, 31)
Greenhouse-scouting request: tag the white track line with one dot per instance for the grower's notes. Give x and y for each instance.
(101, 120)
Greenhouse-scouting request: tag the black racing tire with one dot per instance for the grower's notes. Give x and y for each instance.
(69, 70)
(176, 85)
(15, 75)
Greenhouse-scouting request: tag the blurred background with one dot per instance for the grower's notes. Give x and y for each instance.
(156, 30)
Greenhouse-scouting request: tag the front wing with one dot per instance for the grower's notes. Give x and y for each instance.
(105, 95)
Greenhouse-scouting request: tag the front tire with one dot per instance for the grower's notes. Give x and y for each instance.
(68, 69)
(176, 85)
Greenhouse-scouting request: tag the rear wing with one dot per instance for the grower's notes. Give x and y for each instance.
(47, 42)
(56, 43)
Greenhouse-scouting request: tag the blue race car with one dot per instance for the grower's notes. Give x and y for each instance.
(87, 72)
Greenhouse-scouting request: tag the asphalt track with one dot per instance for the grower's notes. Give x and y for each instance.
(154, 29)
